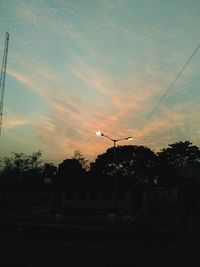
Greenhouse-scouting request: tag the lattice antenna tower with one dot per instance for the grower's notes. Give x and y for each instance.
(3, 78)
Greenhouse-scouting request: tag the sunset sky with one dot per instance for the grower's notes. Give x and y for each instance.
(78, 66)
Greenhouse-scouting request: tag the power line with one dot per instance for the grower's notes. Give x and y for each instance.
(170, 86)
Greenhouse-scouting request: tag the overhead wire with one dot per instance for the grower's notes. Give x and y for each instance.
(169, 87)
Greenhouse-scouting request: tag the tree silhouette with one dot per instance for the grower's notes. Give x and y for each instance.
(131, 164)
(70, 173)
(82, 160)
(21, 168)
(177, 156)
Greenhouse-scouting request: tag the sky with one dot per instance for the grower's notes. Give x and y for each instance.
(79, 66)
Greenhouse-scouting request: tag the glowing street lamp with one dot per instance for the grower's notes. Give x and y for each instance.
(98, 133)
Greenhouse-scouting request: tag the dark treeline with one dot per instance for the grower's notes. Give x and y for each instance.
(130, 165)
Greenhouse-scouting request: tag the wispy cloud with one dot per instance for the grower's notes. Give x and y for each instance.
(11, 122)
(95, 71)
(111, 105)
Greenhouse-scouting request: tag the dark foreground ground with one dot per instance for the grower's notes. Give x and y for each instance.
(36, 246)
(31, 241)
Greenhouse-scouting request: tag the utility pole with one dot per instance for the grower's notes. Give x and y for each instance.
(3, 77)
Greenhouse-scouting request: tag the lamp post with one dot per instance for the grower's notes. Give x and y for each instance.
(99, 133)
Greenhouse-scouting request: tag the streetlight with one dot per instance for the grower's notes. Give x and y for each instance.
(99, 133)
